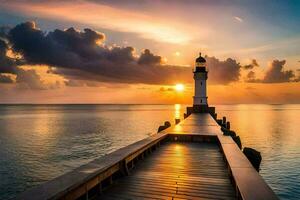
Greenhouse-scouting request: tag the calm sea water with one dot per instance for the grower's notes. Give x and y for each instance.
(41, 142)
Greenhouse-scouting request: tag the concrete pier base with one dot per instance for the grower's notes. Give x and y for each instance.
(200, 109)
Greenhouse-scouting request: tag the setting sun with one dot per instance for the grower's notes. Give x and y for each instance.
(177, 53)
(179, 87)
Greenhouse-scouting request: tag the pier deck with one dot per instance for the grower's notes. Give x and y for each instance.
(192, 160)
(177, 171)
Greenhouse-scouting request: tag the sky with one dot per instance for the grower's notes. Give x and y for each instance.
(135, 52)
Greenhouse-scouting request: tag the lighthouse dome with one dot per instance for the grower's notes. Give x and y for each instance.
(200, 59)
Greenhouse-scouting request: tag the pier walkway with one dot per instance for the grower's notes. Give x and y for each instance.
(177, 171)
(191, 160)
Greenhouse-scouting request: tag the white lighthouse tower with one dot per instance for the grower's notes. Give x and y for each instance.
(200, 77)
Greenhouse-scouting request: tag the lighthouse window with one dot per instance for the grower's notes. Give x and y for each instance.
(201, 100)
(201, 82)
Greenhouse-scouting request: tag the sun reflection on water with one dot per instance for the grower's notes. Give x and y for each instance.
(177, 111)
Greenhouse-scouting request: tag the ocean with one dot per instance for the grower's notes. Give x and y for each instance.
(41, 142)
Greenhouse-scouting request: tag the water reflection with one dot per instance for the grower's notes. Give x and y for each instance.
(177, 108)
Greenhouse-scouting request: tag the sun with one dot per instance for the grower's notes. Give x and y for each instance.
(179, 87)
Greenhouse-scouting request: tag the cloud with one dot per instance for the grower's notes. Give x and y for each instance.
(74, 83)
(251, 65)
(148, 58)
(6, 79)
(7, 65)
(238, 19)
(4, 31)
(251, 75)
(29, 79)
(56, 48)
(82, 83)
(251, 78)
(223, 72)
(80, 55)
(276, 73)
(166, 89)
(24, 78)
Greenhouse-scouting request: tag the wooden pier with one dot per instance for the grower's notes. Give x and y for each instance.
(177, 171)
(191, 160)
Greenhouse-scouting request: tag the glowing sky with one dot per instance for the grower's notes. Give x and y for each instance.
(253, 50)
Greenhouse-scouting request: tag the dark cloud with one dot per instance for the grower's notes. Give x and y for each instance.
(148, 58)
(28, 78)
(4, 31)
(57, 48)
(7, 65)
(251, 65)
(276, 73)
(251, 78)
(223, 72)
(81, 57)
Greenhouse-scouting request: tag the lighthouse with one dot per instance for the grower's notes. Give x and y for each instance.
(200, 77)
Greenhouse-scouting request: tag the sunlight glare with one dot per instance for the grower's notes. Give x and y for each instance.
(177, 53)
(179, 87)
(177, 111)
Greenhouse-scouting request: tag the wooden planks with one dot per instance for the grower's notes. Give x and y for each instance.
(177, 171)
(196, 124)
